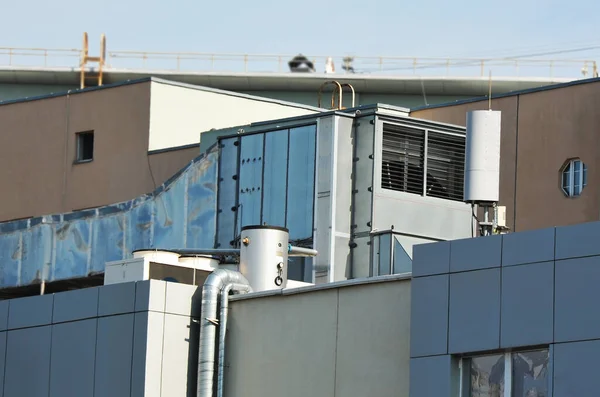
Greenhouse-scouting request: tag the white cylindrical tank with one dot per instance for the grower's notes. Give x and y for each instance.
(264, 257)
(165, 257)
(203, 262)
(482, 157)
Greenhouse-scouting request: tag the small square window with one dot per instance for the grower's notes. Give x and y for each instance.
(85, 146)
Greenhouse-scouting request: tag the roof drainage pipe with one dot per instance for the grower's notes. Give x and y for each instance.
(218, 284)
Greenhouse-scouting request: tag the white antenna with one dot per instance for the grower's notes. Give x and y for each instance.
(482, 163)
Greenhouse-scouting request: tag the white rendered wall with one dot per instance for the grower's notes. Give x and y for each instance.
(179, 113)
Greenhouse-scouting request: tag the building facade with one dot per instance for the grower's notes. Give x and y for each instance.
(141, 339)
(506, 314)
(93, 147)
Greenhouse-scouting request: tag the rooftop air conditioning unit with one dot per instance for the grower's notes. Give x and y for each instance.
(160, 265)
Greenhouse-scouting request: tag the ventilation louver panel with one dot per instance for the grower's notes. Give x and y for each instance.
(402, 166)
(407, 168)
(445, 166)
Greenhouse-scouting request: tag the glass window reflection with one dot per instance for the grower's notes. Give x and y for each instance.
(487, 376)
(530, 374)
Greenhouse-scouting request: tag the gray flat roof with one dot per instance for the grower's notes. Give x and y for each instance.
(381, 84)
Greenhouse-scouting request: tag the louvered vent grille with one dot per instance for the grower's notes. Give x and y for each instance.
(404, 162)
(445, 166)
(402, 167)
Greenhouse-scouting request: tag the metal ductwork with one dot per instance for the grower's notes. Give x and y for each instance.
(218, 284)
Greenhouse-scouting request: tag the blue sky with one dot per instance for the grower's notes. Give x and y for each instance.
(316, 27)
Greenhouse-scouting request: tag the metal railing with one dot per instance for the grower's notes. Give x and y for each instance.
(272, 63)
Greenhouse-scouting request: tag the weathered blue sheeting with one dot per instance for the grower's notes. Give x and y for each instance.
(180, 213)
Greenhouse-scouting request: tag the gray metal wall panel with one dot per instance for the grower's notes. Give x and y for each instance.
(227, 192)
(431, 376)
(426, 217)
(528, 247)
(344, 175)
(72, 360)
(474, 322)
(4, 307)
(30, 311)
(527, 305)
(75, 305)
(381, 339)
(343, 200)
(114, 349)
(251, 168)
(361, 257)
(270, 362)
(183, 299)
(476, 253)
(150, 295)
(576, 369)
(275, 178)
(179, 357)
(323, 232)
(429, 319)
(116, 299)
(342, 259)
(577, 240)
(301, 182)
(363, 179)
(430, 259)
(27, 370)
(2, 361)
(147, 354)
(577, 296)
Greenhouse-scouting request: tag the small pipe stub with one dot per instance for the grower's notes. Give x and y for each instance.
(246, 241)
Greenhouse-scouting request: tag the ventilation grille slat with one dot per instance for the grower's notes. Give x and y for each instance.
(404, 161)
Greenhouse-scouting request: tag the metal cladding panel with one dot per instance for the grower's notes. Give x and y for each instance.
(301, 182)
(10, 259)
(482, 156)
(364, 139)
(35, 261)
(227, 191)
(73, 249)
(108, 240)
(180, 213)
(201, 195)
(27, 371)
(250, 187)
(276, 178)
(72, 364)
(140, 225)
(170, 222)
(114, 350)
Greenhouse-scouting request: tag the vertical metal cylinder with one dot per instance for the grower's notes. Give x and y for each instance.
(264, 257)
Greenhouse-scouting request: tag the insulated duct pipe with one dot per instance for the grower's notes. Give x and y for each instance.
(299, 251)
(218, 283)
(292, 251)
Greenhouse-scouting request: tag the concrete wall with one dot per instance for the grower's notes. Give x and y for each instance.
(189, 111)
(133, 339)
(510, 292)
(338, 341)
(540, 131)
(38, 146)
